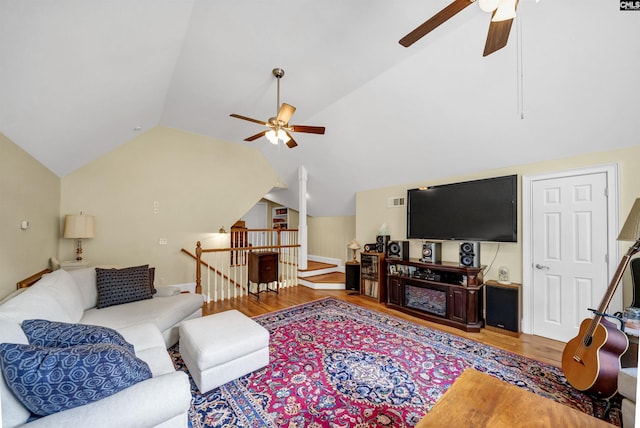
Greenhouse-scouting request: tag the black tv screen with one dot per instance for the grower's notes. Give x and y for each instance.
(479, 210)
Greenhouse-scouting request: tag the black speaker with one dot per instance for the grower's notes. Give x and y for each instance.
(368, 248)
(431, 252)
(470, 254)
(381, 243)
(352, 276)
(398, 250)
(502, 303)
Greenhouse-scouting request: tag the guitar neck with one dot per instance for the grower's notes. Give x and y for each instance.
(613, 285)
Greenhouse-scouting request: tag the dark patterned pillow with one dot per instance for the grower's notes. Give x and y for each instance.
(152, 279)
(53, 334)
(118, 286)
(50, 380)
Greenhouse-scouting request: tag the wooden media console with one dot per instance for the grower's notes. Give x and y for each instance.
(445, 293)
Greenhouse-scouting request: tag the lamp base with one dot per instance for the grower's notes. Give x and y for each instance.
(79, 249)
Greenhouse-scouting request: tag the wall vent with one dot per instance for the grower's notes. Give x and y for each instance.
(396, 201)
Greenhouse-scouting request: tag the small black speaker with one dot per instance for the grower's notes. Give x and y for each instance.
(470, 254)
(368, 248)
(398, 250)
(381, 243)
(431, 252)
(502, 303)
(352, 276)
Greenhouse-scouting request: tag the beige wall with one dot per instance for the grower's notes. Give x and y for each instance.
(372, 211)
(198, 183)
(329, 236)
(28, 191)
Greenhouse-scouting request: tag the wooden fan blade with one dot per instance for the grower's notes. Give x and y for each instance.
(258, 135)
(237, 116)
(285, 113)
(291, 143)
(434, 22)
(307, 129)
(498, 35)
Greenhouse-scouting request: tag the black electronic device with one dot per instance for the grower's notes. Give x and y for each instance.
(478, 210)
(470, 254)
(352, 277)
(431, 252)
(381, 243)
(502, 303)
(368, 248)
(398, 250)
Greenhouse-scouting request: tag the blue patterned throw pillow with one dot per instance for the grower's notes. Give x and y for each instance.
(118, 286)
(50, 380)
(53, 334)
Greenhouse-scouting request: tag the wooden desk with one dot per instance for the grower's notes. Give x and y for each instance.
(478, 400)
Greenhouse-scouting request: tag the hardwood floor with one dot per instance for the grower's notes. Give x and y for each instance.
(536, 347)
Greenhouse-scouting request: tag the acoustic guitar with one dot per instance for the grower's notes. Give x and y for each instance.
(591, 360)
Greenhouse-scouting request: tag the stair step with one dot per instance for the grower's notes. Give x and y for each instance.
(331, 278)
(313, 265)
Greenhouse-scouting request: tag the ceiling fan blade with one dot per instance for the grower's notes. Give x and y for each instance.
(258, 135)
(434, 22)
(498, 34)
(285, 113)
(291, 143)
(307, 129)
(237, 116)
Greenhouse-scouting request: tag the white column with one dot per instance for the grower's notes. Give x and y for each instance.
(302, 223)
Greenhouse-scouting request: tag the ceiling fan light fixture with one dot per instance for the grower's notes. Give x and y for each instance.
(272, 137)
(488, 5)
(277, 137)
(506, 10)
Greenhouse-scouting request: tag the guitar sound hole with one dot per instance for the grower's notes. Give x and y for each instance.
(587, 341)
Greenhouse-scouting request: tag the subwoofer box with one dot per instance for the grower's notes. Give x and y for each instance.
(503, 308)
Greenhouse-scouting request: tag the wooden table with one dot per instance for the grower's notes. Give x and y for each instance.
(478, 400)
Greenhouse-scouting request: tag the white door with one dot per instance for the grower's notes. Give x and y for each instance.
(569, 251)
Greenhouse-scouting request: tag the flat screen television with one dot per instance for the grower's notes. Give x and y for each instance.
(478, 210)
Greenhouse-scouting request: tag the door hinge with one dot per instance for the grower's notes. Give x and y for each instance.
(606, 192)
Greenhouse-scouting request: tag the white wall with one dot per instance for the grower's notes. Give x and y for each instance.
(28, 191)
(198, 184)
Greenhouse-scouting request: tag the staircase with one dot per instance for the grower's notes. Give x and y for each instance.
(322, 275)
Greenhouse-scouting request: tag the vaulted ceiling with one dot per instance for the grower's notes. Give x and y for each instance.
(77, 76)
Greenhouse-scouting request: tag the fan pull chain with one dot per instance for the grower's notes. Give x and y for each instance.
(520, 77)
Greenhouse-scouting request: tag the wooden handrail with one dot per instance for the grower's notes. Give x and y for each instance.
(211, 268)
(200, 250)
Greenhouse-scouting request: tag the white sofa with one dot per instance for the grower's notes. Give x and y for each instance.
(149, 325)
(627, 383)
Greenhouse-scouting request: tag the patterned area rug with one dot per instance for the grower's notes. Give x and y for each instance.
(335, 364)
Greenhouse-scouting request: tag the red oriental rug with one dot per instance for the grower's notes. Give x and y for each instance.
(335, 364)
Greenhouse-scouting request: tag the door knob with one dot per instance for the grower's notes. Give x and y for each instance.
(539, 266)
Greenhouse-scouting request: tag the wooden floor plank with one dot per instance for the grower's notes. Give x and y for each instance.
(536, 347)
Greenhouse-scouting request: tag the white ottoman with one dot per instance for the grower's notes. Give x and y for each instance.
(222, 347)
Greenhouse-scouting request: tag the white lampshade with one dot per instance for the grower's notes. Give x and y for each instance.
(506, 10)
(354, 245)
(79, 226)
(631, 228)
(488, 5)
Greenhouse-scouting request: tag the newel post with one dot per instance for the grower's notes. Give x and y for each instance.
(198, 274)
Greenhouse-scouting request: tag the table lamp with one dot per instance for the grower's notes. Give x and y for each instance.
(78, 227)
(354, 246)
